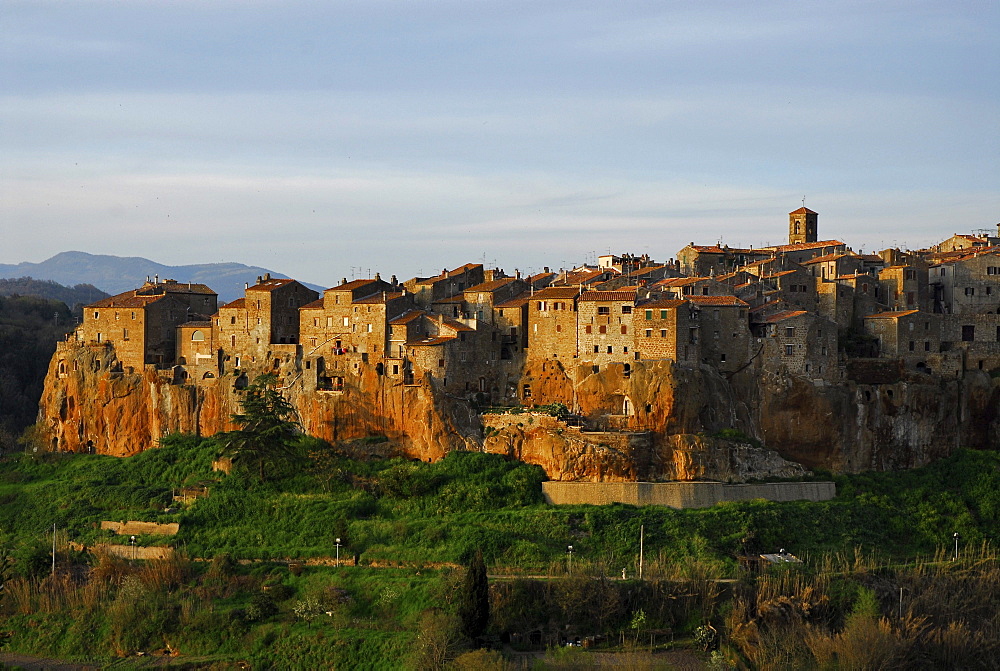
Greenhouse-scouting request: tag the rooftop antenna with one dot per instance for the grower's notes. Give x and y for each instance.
(803, 201)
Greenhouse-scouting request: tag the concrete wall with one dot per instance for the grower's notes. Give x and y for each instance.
(682, 494)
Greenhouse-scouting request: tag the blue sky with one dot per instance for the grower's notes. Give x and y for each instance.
(324, 139)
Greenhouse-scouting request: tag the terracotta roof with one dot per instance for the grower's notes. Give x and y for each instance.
(707, 249)
(782, 316)
(456, 326)
(765, 306)
(803, 210)
(490, 286)
(824, 258)
(518, 301)
(803, 246)
(617, 295)
(457, 298)
(173, 287)
(429, 342)
(449, 274)
(679, 281)
(269, 285)
(238, 303)
(352, 285)
(555, 292)
(645, 271)
(197, 325)
(379, 298)
(717, 300)
(407, 317)
(662, 303)
(891, 315)
(539, 276)
(126, 300)
(315, 305)
(777, 274)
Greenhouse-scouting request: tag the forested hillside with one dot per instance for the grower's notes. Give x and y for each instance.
(29, 329)
(75, 296)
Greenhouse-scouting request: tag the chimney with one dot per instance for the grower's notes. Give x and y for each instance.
(246, 285)
(378, 278)
(343, 280)
(156, 279)
(546, 269)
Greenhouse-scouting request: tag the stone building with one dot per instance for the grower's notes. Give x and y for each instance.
(904, 287)
(667, 328)
(905, 333)
(800, 343)
(966, 285)
(263, 326)
(142, 324)
(449, 283)
(604, 326)
(803, 226)
(552, 323)
(725, 334)
(196, 350)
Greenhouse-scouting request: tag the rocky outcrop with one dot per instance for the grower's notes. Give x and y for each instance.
(649, 421)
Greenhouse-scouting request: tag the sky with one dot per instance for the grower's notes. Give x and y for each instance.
(338, 139)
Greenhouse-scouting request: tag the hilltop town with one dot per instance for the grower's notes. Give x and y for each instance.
(762, 329)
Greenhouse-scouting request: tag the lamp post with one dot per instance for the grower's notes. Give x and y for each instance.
(132, 542)
(955, 558)
(338, 551)
(569, 549)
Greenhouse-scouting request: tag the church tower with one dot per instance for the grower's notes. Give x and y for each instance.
(802, 226)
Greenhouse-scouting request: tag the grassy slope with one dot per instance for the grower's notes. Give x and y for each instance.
(411, 512)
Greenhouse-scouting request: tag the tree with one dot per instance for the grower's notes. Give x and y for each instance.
(474, 602)
(268, 429)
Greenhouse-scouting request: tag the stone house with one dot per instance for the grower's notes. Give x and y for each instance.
(725, 333)
(978, 335)
(667, 328)
(196, 350)
(685, 287)
(799, 342)
(966, 285)
(449, 283)
(604, 326)
(904, 287)
(552, 323)
(142, 324)
(510, 318)
(704, 260)
(908, 334)
(832, 266)
(960, 242)
(795, 286)
(263, 325)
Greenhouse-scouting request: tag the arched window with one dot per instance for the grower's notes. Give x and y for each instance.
(198, 336)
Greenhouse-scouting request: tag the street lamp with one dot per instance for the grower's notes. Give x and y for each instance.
(132, 542)
(955, 558)
(338, 552)
(569, 549)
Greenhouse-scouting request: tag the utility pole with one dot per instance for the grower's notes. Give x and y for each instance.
(53, 550)
(642, 533)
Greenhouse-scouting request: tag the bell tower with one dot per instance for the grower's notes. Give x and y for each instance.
(802, 226)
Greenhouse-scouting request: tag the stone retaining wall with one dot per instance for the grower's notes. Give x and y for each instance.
(132, 528)
(682, 494)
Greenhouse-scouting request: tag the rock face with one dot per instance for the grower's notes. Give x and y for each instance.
(650, 422)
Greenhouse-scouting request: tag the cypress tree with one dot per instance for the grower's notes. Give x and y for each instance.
(474, 603)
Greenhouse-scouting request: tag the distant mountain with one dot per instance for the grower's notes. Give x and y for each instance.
(79, 295)
(116, 274)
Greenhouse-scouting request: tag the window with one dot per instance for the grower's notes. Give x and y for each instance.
(789, 331)
(124, 334)
(992, 270)
(604, 310)
(233, 340)
(663, 333)
(970, 291)
(440, 363)
(789, 350)
(649, 315)
(602, 328)
(133, 315)
(624, 329)
(609, 349)
(347, 321)
(649, 333)
(370, 330)
(968, 333)
(927, 344)
(588, 328)
(663, 314)
(722, 358)
(912, 345)
(704, 291)
(911, 274)
(596, 349)
(558, 328)
(626, 309)
(542, 307)
(197, 336)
